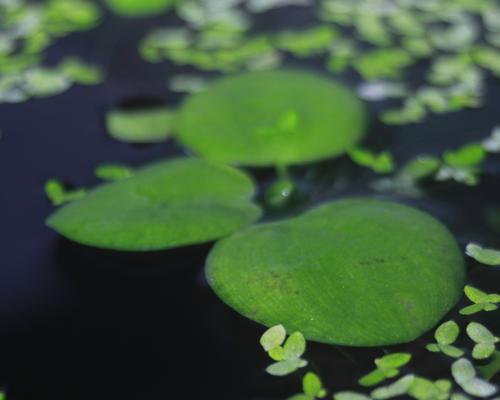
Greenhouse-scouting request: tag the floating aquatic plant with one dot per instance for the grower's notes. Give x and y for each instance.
(484, 339)
(334, 264)
(387, 367)
(271, 118)
(483, 255)
(58, 194)
(465, 376)
(168, 204)
(139, 8)
(113, 172)
(148, 125)
(482, 301)
(446, 334)
(287, 353)
(312, 388)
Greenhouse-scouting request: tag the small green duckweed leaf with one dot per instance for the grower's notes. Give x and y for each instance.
(113, 172)
(138, 8)
(484, 339)
(425, 389)
(350, 396)
(483, 255)
(286, 367)
(465, 376)
(58, 194)
(273, 337)
(312, 386)
(394, 360)
(305, 272)
(306, 43)
(168, 204)
(294, 347)
(382, 63)
(382, 163)
(277, 353)
(398, 388)
(482, 301)
(467, 156)
(81, 72)
(447, 333)
(373, 378)
(299, 118)
(420, 168)
(141, 126)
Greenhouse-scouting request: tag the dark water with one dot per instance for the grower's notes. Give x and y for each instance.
(76, 323)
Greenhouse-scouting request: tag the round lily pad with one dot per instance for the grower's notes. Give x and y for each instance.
(165, 205)
(357, 272)
(271, 118)
(138, 8)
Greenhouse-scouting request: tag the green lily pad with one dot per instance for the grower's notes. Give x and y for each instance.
(357, 272)
(271, 118)
(138, 8)
(165, 205)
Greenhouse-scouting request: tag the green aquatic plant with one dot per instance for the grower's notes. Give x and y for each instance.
(308, 42)
(168, 204)
(446, 334)
(312, 388)
(387, 367)
(271, 118)
(147, 125)
(482, 301)
(333, 263)
(465, 376)
(382, 163)
(484, 339)
(348, 395)
(287, 353)
(58, 194)
(113, 172)
(483, 255)
(139, 8)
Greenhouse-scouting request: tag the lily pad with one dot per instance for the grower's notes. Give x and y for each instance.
(357, 272)
(138, 8)
(271, 118)
(165, 205)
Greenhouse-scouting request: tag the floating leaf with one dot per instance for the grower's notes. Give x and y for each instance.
(482, 301)
(280, 193)
(308, 42)
(491, 369)
(168, 204)
(465, 375)
(485, 340)
(467, 156)
(425, 389)
(294, 347)
(382, 163)
(81, 72)
(376, 376)
(312, 386)
(113, 172)
(483, 255)
(447, 333)
(58, 194)
(138, 8)
(273, 337)
(350, 396)
(286, 367)
(398, 388)
(141, 126)
(394, 360)
(333, 264)
(298, 118)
